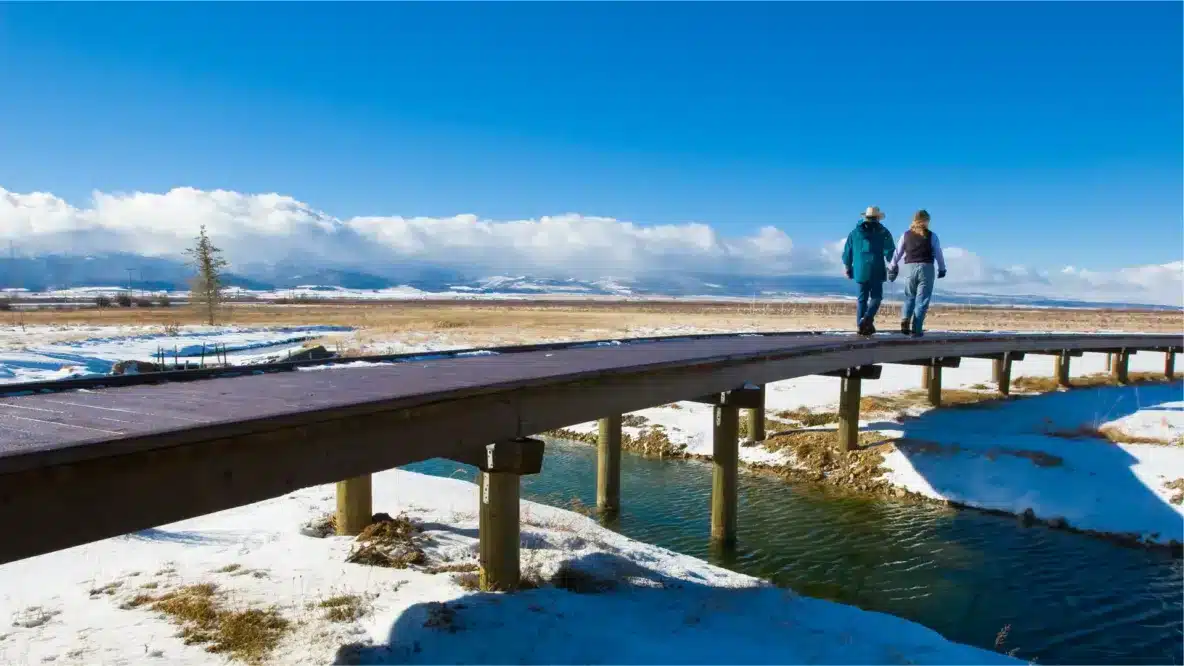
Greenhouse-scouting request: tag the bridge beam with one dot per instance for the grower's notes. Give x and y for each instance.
(849, 394)
(858, 372)
(1058, 352)
(1169, 365)
(725, 456)
(941, 361)
(498, 522)
(748, 396)
(608, 465)
(354, 505)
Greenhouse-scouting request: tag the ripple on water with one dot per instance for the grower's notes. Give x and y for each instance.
(1067, 598)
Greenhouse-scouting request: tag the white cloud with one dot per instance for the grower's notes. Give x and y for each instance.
(266, 228)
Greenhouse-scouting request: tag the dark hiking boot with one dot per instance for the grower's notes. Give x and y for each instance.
(863, 329)
(918, 334)
(906, 327)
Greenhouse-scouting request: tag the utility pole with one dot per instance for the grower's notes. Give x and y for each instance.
(129, 281)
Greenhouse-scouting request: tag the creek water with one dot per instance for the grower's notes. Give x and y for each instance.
(1065, 598)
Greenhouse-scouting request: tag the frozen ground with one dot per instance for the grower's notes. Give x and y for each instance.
(44, 353)
(662, 608)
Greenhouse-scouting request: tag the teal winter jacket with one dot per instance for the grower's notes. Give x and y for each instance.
(867, 249)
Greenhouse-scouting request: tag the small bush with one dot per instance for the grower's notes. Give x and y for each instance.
(163, 301)
(124, 300)
(5, 304)
(145, 302)
(103, 301)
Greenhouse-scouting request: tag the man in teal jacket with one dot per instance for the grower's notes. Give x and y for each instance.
(869, 247)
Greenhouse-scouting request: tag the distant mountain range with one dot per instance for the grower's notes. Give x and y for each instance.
(61, 272)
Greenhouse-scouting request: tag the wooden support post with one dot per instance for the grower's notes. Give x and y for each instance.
(725, 459)
(1002, 370)
(924, 376)
(849, 413)
(498, 528)
(353, 505)
(756, 419)
(1063, 369)
(1121, 368)
(1169, 365)
(933, 372)
(501, 465)
(608, 465)
(1109, 362)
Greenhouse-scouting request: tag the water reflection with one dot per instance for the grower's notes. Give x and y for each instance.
(1067, 598)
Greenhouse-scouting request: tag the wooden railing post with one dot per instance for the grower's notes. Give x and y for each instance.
(608, 465)
(498, 518)
(1063, 369)
(354, 508)
(756, 419)
(933, 372)
(725, 460)
(849, 394)
(1121, 370)
(1169, 365)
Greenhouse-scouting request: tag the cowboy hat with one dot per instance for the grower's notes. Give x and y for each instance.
(873, 212)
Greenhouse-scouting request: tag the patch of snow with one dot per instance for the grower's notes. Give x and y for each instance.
(664, 607)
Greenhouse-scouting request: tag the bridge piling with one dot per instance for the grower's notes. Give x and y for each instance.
(756, 418)
(1063, 369)
(499, 529)
(724, 480)
(1002, 372)
(1121, 368)
(933, 374)
(849, 394)
(925, 377)
(1169, 365)
(354, 508)
(608, 465)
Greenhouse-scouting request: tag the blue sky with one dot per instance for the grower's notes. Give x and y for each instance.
(1040, 134)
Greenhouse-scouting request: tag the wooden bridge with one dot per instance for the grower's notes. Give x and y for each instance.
(100, 457)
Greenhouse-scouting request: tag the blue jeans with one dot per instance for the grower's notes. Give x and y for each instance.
(918, 290)
(870, 295)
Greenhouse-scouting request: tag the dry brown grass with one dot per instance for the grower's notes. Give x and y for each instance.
(484, 323)
(905, 400)
(1178, 486)
(1049, 384)
(247, 635)
(817, 458)
(806, 417)
(388, 542)
(650, 441)
(1111, 434)
(344, 608)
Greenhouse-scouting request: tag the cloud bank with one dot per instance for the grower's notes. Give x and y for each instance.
(258, 229)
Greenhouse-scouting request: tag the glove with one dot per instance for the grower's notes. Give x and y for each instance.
(941, 274)
(892, 273)
(850, 274)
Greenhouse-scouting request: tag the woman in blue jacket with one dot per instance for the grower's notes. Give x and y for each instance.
(868, 247)
(920, 249)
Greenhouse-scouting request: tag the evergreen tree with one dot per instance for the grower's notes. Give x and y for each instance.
(207, 261)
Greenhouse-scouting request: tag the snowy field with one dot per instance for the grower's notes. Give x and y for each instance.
(46, 353)
(659, 607)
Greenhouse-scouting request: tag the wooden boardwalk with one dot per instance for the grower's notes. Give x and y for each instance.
(77, 466)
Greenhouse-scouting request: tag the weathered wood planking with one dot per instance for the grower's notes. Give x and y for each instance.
(112, 461)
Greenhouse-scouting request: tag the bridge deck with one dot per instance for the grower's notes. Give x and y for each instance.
(193, 441)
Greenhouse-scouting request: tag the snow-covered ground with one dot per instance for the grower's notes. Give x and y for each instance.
(986, 457)
(45, 353)
(65, 607)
